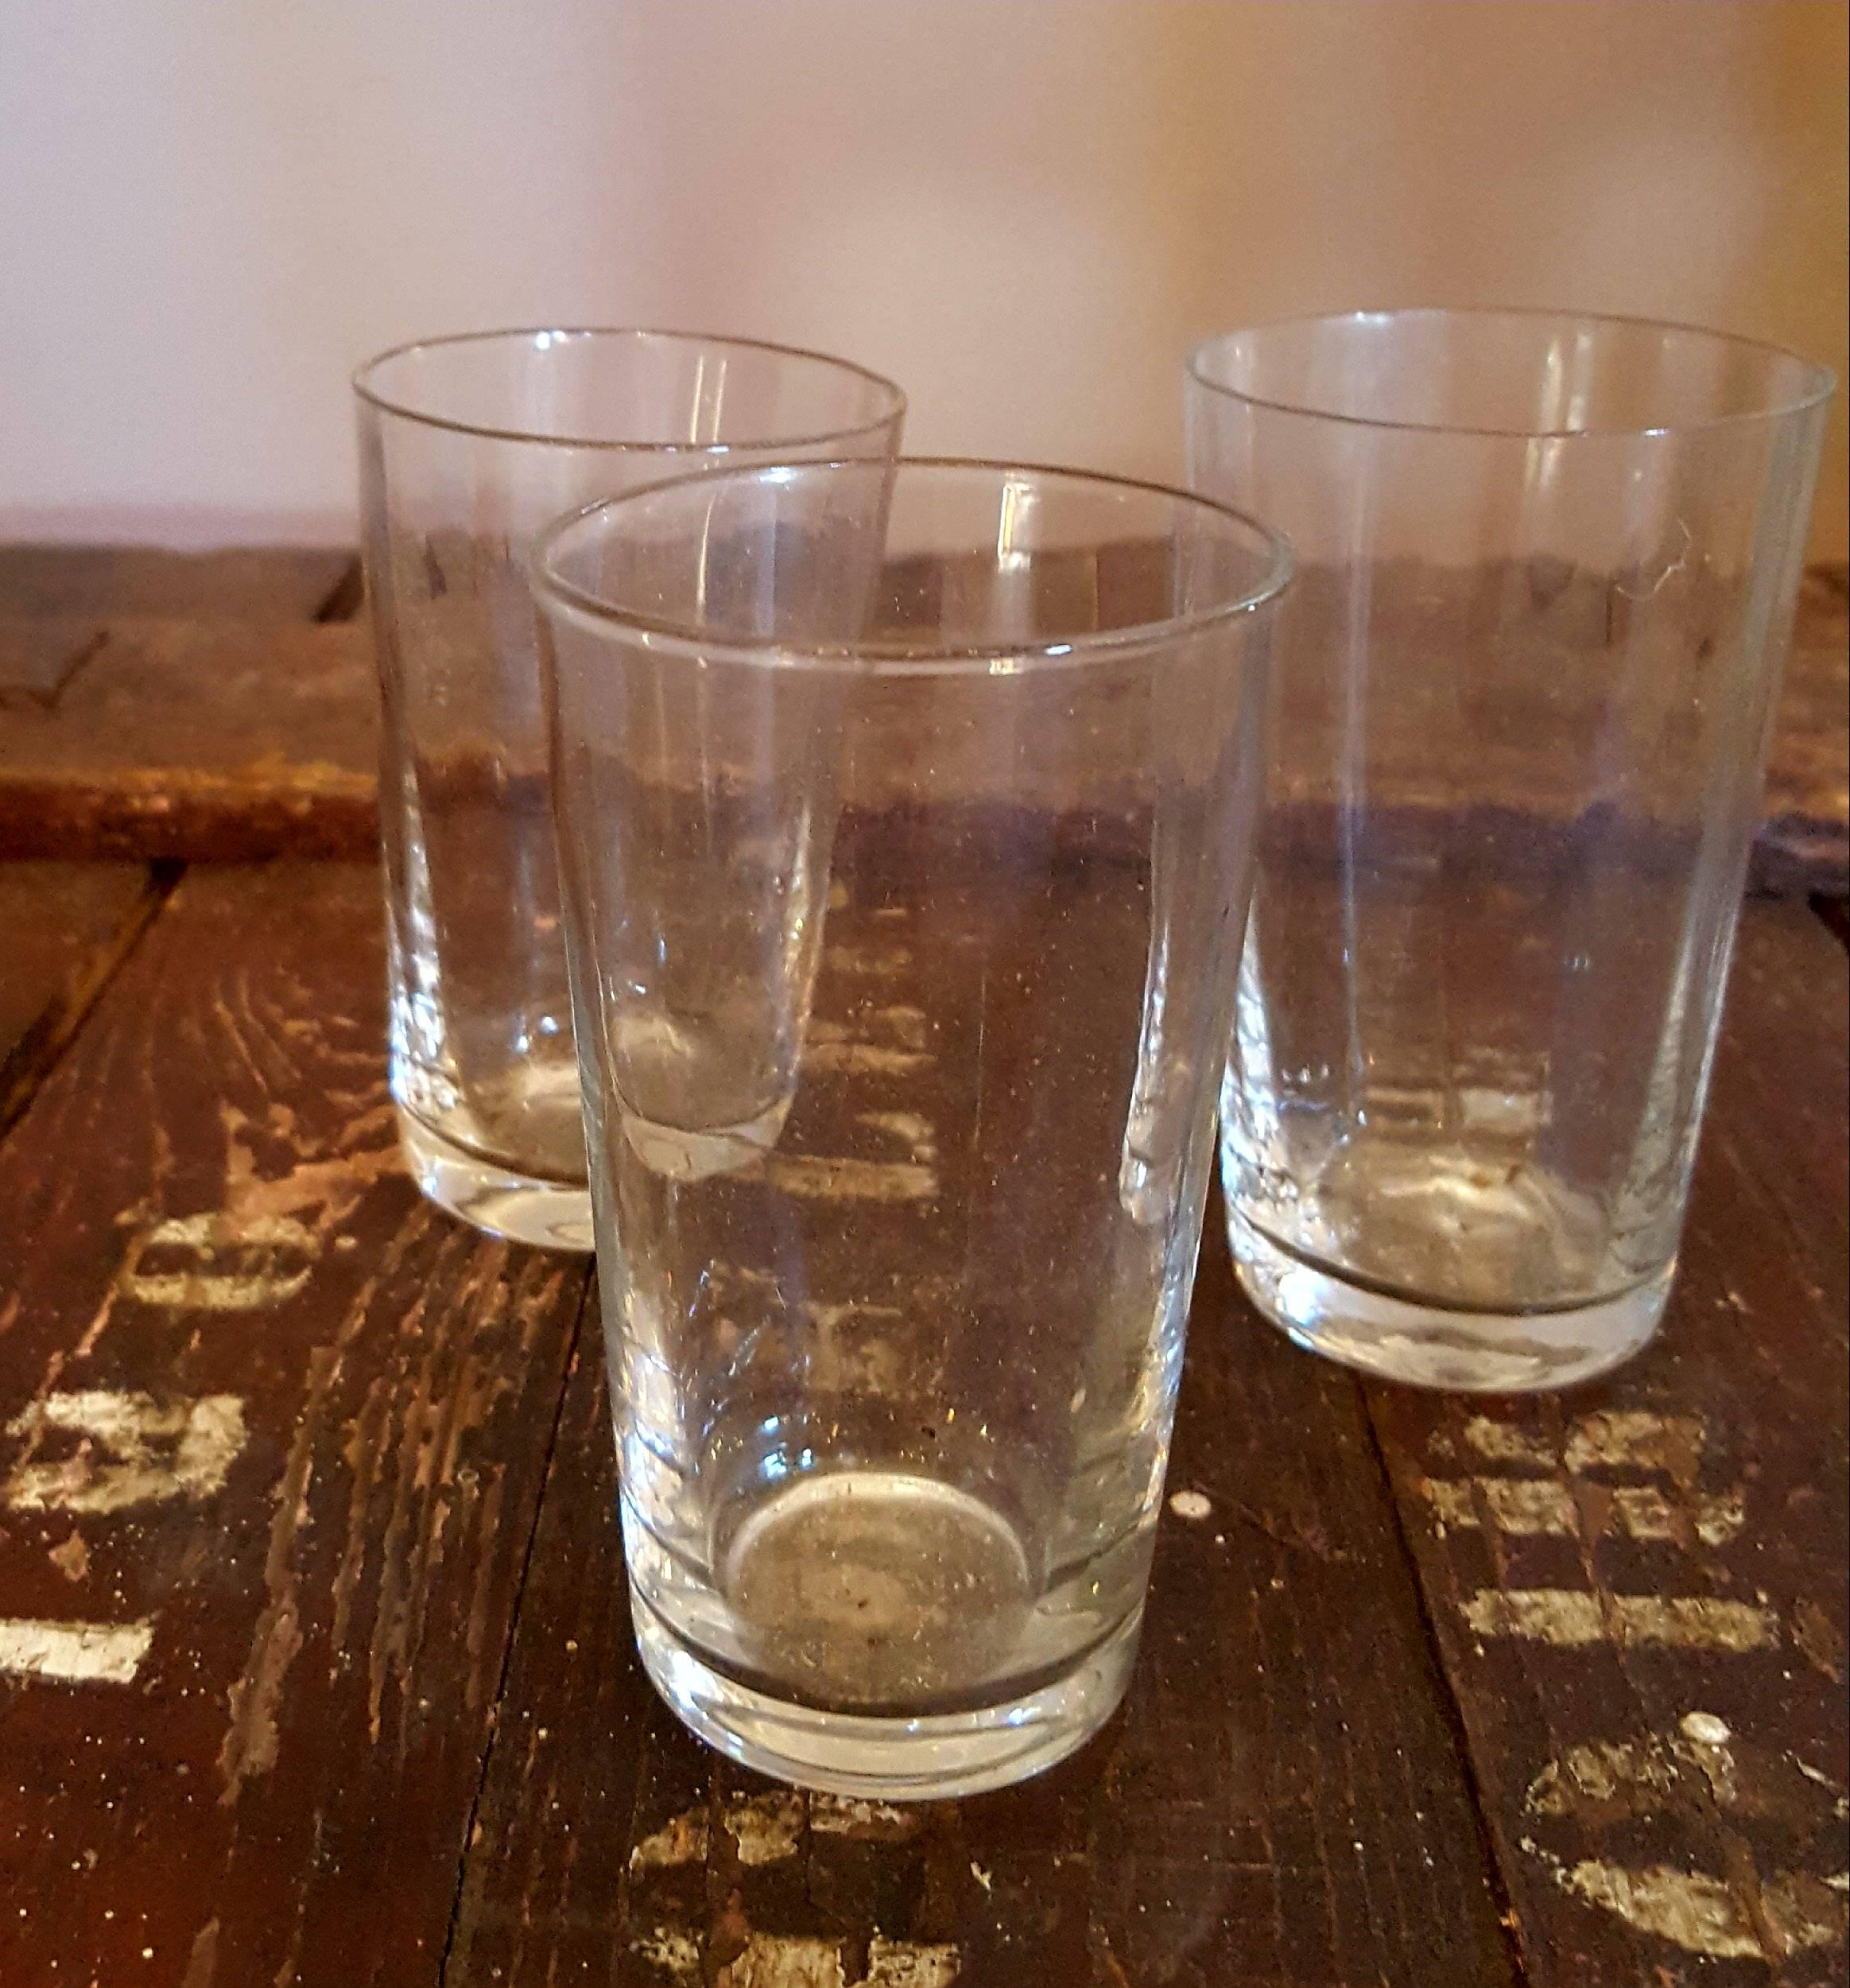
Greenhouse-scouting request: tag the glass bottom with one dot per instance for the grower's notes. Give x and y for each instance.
(888, 1758)
(1397, 1338)
(551, 1214)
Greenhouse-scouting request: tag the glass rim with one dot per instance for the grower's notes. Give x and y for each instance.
(1006, 656)
(361, 382)
(1821, 381)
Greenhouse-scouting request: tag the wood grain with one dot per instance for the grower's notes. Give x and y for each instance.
(1804, 838)
(283, 761)
(262, 582)
(1639, 1588)
(63, 929)
(1281, 1802)
(219, 740)
(39, 653)
(272, 1433)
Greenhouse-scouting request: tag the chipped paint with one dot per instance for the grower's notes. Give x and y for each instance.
(675, 1953)
(914, 1131)
(896, 1963)
(1570, 1617)
(1702, 1914)
(786, 1960)
(816, 1178)
(1533, 1507)
(202, 1439)
(1191, 1504)
(1641, 1775)
(72, 1558)
(873, 962)
(75, 1652)
(880, 1041)
(1634, 1439)
(248, 1262)
(1611, 1440)
(870, 1822)
(766, 1828)
(682, 1840)
(202, 1965)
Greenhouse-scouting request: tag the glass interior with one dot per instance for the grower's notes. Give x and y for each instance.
(630, 388)
(1512, 373)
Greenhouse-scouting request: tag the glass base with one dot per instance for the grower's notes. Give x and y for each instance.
(892, 1759)
(1432, 1345)
(551, 1214)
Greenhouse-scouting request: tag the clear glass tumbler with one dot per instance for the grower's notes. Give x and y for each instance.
(468, 445)
(905, 827)
(1525, 683)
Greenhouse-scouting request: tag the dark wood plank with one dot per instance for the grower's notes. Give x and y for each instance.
(1281, 1804)
(264, 583)
(1639, 1588)
(65, 927)
(272, 1434)
(1805, 838)
(286, 761)
(205, 740)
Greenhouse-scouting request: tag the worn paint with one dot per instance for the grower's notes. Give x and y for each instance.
(914, 1131)
(881, 1041)
(1571, 1618)
(870, 1822)
(676, 1954)
(786, 1960)
(816, 1178)
(1637, 1777)
(895, 1963)
(75, 1652)
(766, 1828)
(1611, 1439)
(1532, 1507)
(202, 1964)
(1703, 1914)
(1636, 1440)
(72, 1558)
(133, 1451)
(219, 1261)
(873, 962)
(682, 1840)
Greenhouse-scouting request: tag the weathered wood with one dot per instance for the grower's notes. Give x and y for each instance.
(199, 739)
(1639, 1588)
(1805, 838)
(63, 929)
(302, 757)
(1281, 1803)
(39, 653)
(272, 1433)
(264, 583)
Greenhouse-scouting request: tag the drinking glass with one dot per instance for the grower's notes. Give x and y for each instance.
(468, 445)
(1525, 680)
(905, 823)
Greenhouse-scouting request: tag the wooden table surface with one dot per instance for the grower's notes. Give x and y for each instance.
(314, 1658)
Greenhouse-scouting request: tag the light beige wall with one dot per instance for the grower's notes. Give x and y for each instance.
(1024, 209)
